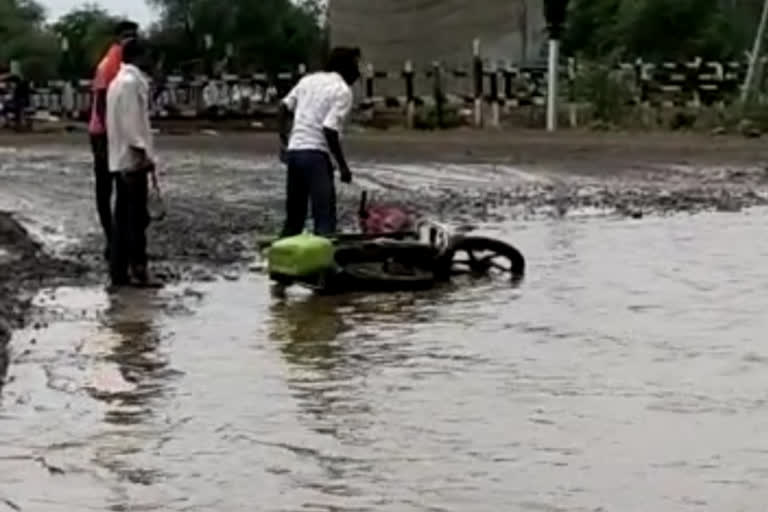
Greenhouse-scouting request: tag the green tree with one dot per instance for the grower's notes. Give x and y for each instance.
(269, 35)
(24, 38)
(661, 29)
(89, 32)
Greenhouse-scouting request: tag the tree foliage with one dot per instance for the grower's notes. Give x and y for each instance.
(88, 31)
(266, 35)
(276, 35)
(24, 38)
(247, 35)
(661, 29)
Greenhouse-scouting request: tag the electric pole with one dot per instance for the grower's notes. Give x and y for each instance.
(554, 12)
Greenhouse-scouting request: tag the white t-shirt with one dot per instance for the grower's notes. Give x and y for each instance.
(320, 100)
(128, 118)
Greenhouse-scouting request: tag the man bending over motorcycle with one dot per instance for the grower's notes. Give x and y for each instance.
(318, 106)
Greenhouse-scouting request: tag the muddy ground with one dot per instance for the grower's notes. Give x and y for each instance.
(24, 268)
(223, 190)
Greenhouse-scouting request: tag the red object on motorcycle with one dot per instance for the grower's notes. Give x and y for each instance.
(382, 219)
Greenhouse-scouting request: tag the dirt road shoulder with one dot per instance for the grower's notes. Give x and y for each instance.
(570, 148)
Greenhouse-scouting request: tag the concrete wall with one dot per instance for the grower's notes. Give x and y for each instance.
(391, 31)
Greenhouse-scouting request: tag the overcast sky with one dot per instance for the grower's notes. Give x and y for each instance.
(135, 9)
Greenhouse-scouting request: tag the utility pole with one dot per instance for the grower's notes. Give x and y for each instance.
(554, 12)
(755, 56)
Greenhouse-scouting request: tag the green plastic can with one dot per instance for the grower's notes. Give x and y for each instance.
(300, 256)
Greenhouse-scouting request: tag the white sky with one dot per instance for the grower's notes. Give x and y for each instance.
(134, 9)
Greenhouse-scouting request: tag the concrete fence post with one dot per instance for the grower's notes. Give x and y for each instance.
(409, 94)
(437, 86)
(573, 116)
(370, 76)
(493, 72)
(477, 66)
(301, 71)
(508, 73)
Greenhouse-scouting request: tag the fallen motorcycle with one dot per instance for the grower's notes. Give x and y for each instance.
(393, 252)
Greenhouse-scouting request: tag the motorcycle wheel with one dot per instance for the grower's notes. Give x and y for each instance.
(386, 267)
(480, 256)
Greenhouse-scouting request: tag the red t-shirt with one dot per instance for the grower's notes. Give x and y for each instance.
(105, 72)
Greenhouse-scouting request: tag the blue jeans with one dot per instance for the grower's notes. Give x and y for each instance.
(310, 179)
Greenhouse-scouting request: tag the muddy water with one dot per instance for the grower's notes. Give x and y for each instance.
(626, 373)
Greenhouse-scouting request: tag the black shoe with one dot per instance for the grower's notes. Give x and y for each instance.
(117, 283)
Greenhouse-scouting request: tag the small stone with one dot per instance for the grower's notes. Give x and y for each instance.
(719, 130)
(231, 276)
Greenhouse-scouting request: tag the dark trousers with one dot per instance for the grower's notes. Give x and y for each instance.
(131, 219)
(104, 180)
(310, 179)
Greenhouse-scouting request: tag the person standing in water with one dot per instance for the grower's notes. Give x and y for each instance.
(131, 161)
(106, 71)
(318, 105)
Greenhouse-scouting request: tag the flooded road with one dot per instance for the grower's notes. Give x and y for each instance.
(624, 374)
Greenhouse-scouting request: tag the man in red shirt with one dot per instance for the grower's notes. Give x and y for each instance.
(106, 72)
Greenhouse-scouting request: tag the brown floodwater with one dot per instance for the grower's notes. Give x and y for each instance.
(625, 373)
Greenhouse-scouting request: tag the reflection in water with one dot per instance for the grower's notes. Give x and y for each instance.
(334, 334)
(308, 329)
(334, 344)
(143, 369)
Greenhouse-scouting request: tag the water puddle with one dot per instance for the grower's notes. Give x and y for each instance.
(577, 391)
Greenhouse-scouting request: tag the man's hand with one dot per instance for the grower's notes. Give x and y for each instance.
(346, 175)
(142, 160)
(283, 129)
(332, 137)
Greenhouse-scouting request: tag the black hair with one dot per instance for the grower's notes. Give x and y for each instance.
(126, 26)
(344, 61)
(133, 51)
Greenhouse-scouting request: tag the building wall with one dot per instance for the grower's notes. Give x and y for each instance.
(392, 31)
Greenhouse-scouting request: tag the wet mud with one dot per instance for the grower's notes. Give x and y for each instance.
(24, 269)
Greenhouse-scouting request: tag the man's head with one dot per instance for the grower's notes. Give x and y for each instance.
(126, 29)
(346, 62)
(135, 53)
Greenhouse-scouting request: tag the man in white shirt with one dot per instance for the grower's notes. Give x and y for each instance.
(131, 159)
(320, 104)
